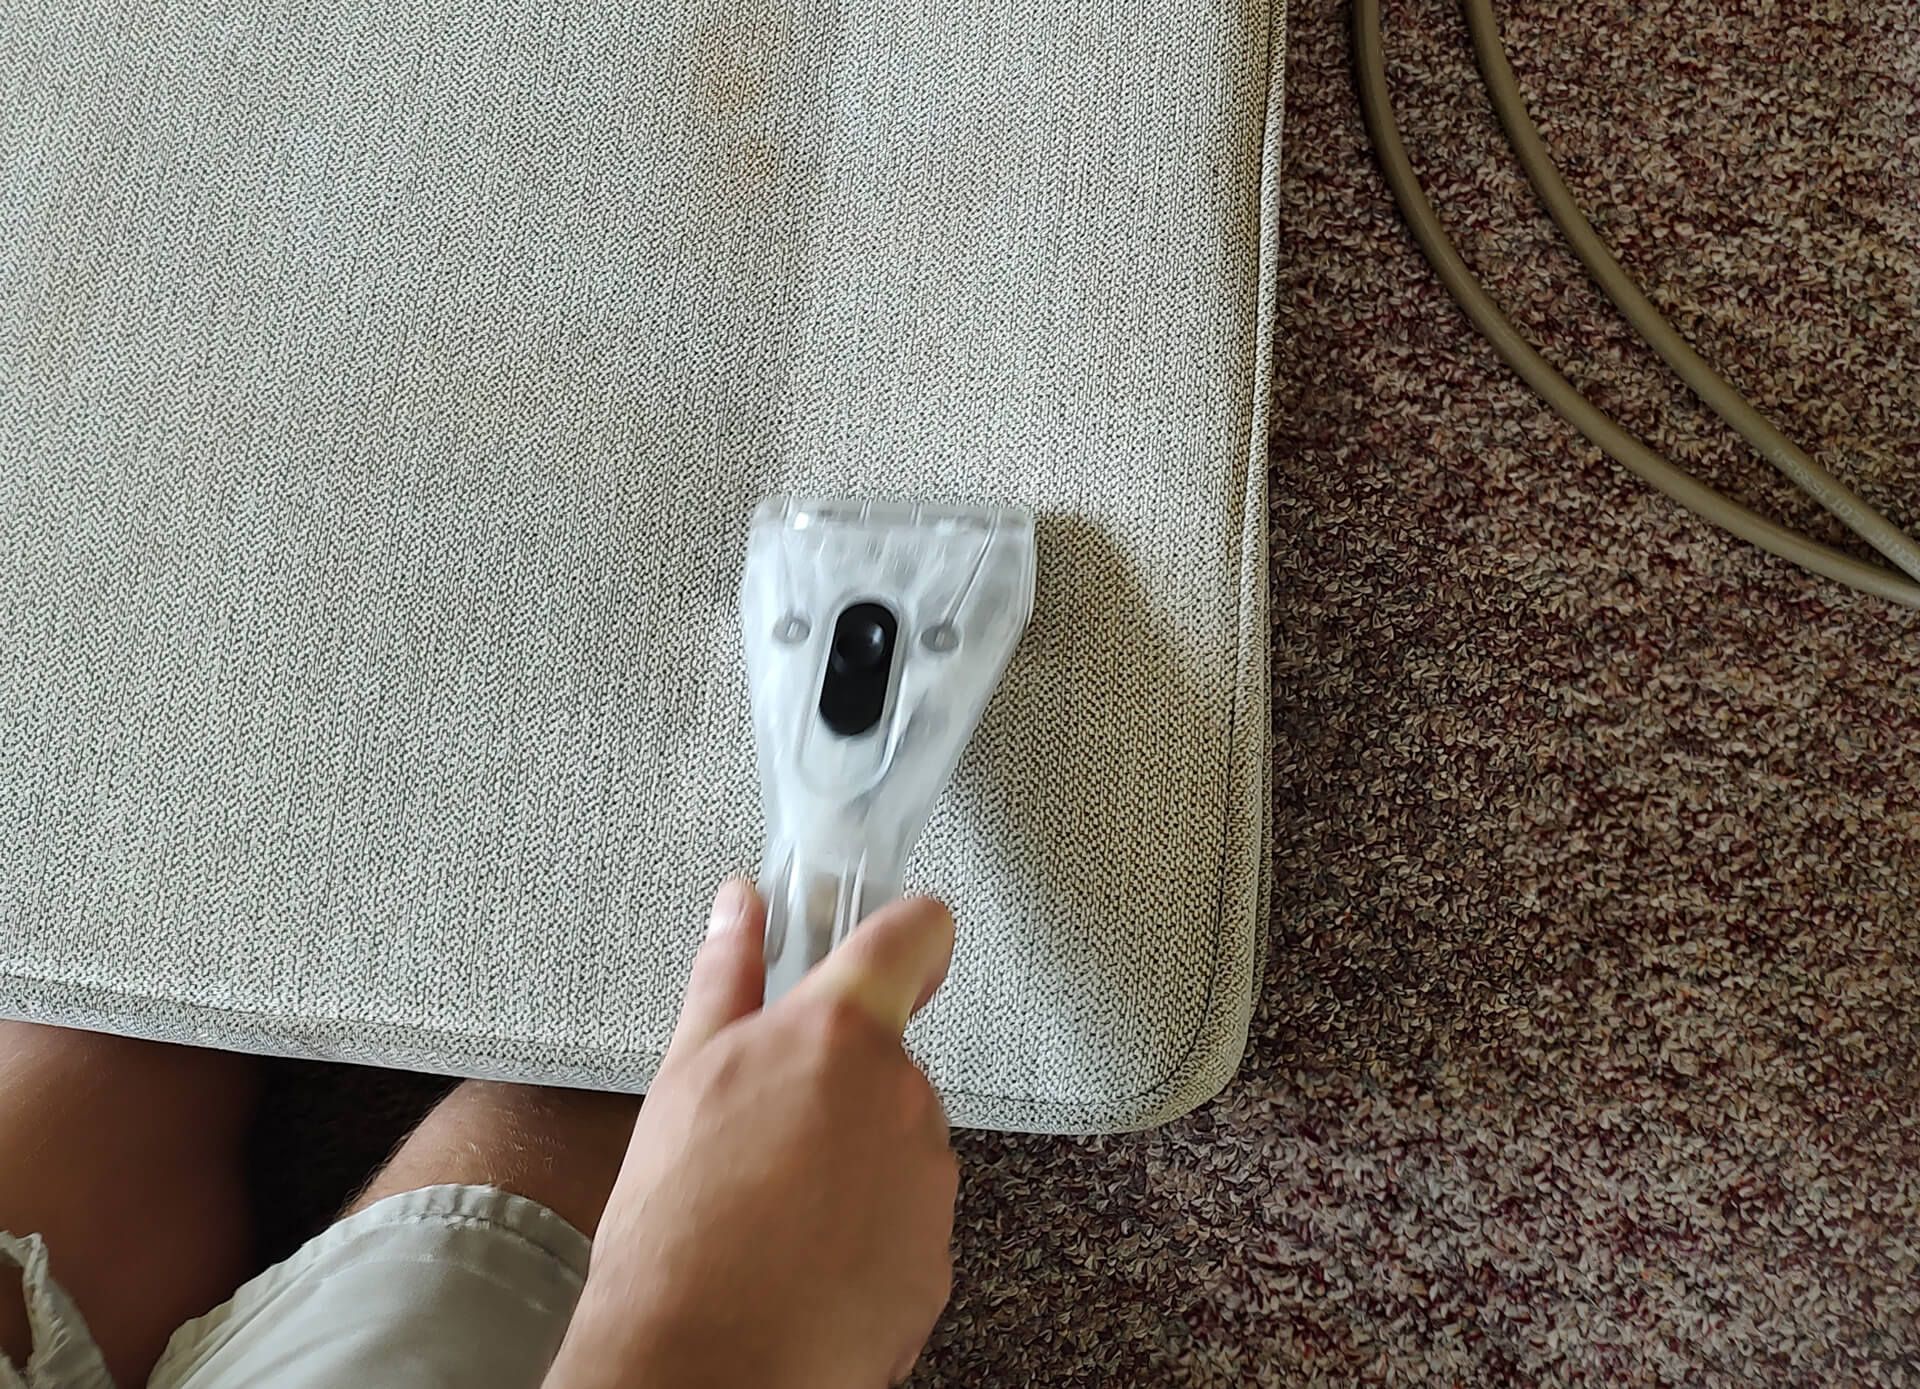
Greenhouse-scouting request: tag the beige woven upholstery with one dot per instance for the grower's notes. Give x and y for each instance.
(384, 390)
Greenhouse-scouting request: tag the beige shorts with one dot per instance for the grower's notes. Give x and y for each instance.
(448, 1285)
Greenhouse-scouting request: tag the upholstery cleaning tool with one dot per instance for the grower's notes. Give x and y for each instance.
(1853, 511)
(875, 633)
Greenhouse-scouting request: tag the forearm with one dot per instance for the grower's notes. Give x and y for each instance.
(623, 1338)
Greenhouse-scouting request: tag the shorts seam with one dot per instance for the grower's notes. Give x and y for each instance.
(192, 1342)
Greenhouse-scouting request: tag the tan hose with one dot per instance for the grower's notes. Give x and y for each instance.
(1660, 335)
(1377, 107)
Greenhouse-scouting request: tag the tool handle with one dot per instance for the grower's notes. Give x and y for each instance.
(814, 900)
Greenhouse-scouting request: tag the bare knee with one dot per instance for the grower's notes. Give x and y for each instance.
(562, 1148)
(125, 1156)
(64, 1071)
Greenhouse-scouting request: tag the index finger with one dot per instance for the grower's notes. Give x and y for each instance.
(891, 964)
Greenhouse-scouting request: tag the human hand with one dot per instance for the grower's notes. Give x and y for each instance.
(784, 1216)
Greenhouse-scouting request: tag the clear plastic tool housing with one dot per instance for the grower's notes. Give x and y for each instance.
(875, 634)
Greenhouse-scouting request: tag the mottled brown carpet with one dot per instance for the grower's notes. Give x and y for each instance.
(1590, 1044)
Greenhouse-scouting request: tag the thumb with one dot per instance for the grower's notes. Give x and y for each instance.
(891, 964)
(729, 975)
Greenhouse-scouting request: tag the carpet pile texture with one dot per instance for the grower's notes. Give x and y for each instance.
(1590, 1042)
